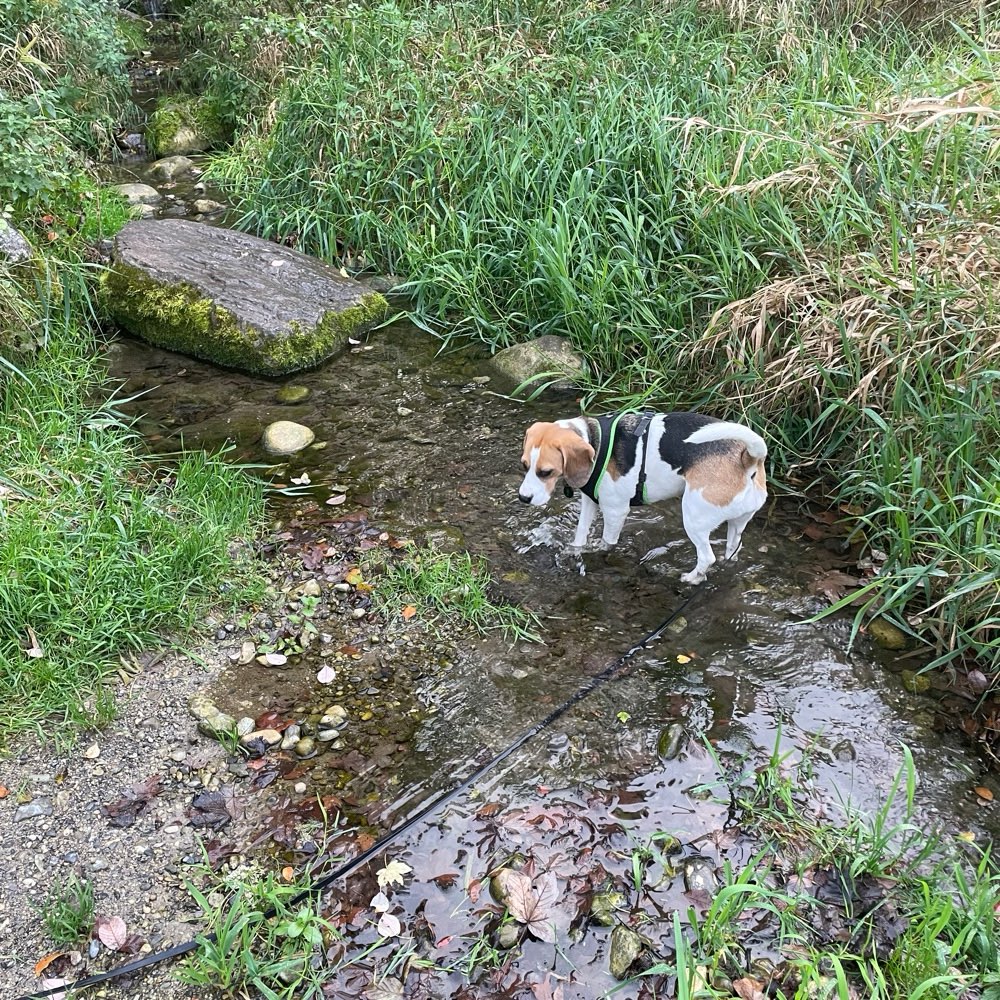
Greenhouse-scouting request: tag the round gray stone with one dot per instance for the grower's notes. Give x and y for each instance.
(285, 437)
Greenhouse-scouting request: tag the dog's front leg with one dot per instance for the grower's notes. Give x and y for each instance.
(587, 511)
(614, 520)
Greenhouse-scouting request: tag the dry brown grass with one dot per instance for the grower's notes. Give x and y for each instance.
(858, 322)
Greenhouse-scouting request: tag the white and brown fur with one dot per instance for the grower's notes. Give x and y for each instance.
(715, 467)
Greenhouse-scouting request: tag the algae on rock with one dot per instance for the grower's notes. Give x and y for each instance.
(233, 299)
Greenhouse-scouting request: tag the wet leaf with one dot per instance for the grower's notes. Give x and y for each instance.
(392, 873)
(833, 584)
(288, 873)
(388, 926)
(302, 480)
(354, 576)
(546, 991)
(681, 658)
(327, 675)
(125, 811)
(389, 988)
(380, 902)
(4, 791)
(336, 501)
(211, 809)
(112, 932)
(984, 793)
(748, 989)
(43, 963)
(531, 903)
(409, 611)
(966, 836)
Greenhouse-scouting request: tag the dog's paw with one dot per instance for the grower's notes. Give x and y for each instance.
(693, 577)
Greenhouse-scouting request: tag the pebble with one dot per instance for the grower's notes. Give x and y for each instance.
(92, 752)
(336, 712)
(327, 735)
(269, 737)
(32, 810)
(305, 747)
(178, 755)
(289, 394)
(245, 726)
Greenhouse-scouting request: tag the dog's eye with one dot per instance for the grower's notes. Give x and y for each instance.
(545, 473)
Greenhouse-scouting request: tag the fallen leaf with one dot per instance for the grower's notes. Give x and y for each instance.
(748, 989)
(302, 480)
(393, 872)
(409, 611)
(112, 932)
(983, 792)
(336, 501)
(681, 658)
(388, 988)
(48, 984)
(388, 926)
(327, 675)
(43, 963)
(531, 902)
(354, 576)
(212, 808)
(288, 873)
(125, 811)
(4, 791)
(833, 584)
(546, 991)
(380, 902)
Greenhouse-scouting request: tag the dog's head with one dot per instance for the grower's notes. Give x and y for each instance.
(551, 451)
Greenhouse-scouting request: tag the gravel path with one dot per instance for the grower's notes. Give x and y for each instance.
(137, 872)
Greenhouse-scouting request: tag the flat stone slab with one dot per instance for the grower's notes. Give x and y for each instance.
(233, 299)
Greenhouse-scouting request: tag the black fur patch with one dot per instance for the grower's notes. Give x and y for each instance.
(681, 456)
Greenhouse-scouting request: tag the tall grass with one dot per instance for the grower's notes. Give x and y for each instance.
(784, 212)
(100, 551)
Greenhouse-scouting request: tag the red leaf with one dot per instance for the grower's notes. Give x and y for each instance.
(43, 963)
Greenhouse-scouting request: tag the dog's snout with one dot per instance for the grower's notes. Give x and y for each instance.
(523, 498)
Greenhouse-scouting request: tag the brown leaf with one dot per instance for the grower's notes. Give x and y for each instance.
(833, 584)
(983, 792)
(546, 991)
(43, 963)
(531, 903)
(748, 989)
(125, 811)
(212, 809)
(409, 611)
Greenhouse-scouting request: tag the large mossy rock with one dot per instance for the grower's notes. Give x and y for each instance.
(181, 125)
(233, 299)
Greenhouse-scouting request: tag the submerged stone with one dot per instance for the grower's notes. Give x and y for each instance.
(887, 635)
(233, 299)
(669, 743)
(291, 394)
(550, 357)
(170, 167)
(285, 437)
(626, 946)
(604, 904)
(917, 683)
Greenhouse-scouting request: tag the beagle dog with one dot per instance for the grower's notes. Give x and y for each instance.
(627, 459)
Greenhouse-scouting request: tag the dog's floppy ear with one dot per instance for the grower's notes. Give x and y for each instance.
(578, 461)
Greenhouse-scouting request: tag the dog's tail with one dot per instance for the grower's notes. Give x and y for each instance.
(721, 430)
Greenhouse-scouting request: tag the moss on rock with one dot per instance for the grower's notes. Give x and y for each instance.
(182, 125)
(181, 318)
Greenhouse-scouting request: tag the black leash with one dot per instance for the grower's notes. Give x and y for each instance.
(377, 848)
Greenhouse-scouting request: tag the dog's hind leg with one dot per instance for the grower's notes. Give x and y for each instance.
(734, 535)
(701, 518)
(587, 511)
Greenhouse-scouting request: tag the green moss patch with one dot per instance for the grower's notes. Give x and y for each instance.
(181, 318)
(185, 125)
